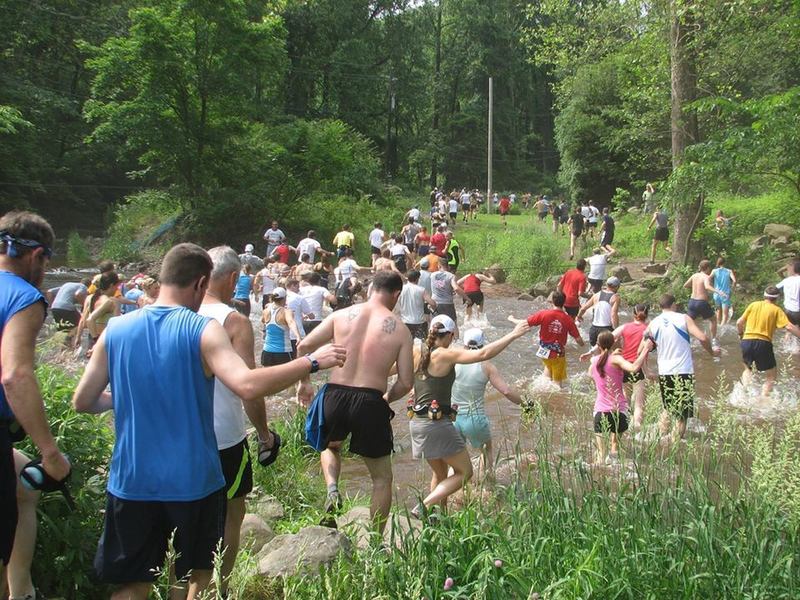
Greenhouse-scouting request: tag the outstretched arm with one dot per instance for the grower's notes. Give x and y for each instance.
(500, 384)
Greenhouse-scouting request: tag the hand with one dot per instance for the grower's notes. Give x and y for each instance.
(585, 356)
(56, 465)
(521, 329)
(716, 352)
(330, 355)
(579, 319)
(305, 393)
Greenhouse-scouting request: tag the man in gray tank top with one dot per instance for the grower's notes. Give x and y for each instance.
(605, 316)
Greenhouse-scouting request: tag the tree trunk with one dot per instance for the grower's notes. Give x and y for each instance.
(436, 75)
(684, 131)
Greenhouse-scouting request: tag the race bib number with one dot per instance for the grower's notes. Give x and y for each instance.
(543, 352)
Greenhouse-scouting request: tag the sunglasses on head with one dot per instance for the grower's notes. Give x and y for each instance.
(13, 241)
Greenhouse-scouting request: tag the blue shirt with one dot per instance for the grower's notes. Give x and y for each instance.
(243, 286)
(165, 446)
(722, 279)
(16, 295)
(133, 294)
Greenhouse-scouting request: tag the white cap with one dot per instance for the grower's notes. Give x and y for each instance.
(447, 325)
(249, 248)
(474, 338)
(613, 282)
(279, 293)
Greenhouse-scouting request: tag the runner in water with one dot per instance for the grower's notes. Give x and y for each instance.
(670, 333)
(757, 327)
(574, 284)
(699, 306)
(605, 310)
(790, 287)
(444, 287)
(661, 221)
(64, 301)
(412, 304)
(723, 279)
(597, 269)
(433, 434)
(473, 295)
(241, 295)
(469, 390)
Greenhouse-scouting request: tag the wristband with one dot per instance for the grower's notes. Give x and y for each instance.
(314, 363)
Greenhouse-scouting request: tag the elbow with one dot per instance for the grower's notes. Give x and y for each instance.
(15, 380)
(79, 403)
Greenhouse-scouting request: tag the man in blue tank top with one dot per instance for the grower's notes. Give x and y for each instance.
(165, 470)
(25, 248)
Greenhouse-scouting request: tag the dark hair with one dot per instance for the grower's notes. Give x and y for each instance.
(398, 239)
(605, 341)
(387, 281)
(796, 266)
(640, 312)
(105, 266)
(581, 265)
(348, 252)
(558, 299)
(184, 264)
(666, 301)
(720, 261)
(105, 281)
(704, 265)
(313, 278)
(311, 233)
(26, 225)
(291, 282)
(305, 257)
(413, 276)
(345, 227)
(377, 224)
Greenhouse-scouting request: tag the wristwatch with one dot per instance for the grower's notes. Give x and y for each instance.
(314, 363)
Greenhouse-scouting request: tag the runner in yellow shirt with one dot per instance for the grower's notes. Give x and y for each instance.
(343, 240)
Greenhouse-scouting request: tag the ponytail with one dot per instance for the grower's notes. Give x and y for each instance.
(640, 312)
(427, 349)
(605, 341)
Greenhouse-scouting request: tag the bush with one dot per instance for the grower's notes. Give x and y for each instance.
(140, 220)
(77, 251)
(751, 213)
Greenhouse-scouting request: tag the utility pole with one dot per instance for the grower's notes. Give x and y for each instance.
(489, 153)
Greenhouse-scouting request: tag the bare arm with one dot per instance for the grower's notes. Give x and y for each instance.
(486, 279)
(653, 220)
(500, 384)
(428, 299)
(405, 371)
(793, 329)
(288, 316)
(240, 332)
(688, 283)
(701, 337)
(90, 395)
(615, 311)
(631, 367)
(463, 356)
(586, 306)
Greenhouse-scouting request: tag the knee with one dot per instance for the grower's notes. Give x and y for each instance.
(468, 472)
(382, 480)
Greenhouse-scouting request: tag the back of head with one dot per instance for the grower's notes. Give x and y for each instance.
(796, 267)
(772, 293)
(377, 225)
(640, 312)
(184, 264)
(105, 266)
(313, 278)
(666, 301)
(720, 261)
(387, 281)
(581, 264)
(311, 234)
(704, 266)
(413, 276)
(107, 280)
(225, 261)
(606, 211)
(605, 340)
(348, 253)
(27, 226)
(558, 299)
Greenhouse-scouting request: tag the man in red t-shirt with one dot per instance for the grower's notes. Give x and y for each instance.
(554, 326)
(283, 252)
(504, 206)
(439, 241)
(573, 285)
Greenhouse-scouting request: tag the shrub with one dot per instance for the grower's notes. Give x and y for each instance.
(751, 213)
(140, 220)
(77, 251)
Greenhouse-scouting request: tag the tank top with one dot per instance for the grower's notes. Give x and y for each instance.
(632, 334)
(435, 388)
(165, 448)
(230, 420)
(410, 233)
(243, 285)
(661, 219)
(453, 257)
(609, 388)
(276, 336)
(267, 282)
(601, 317)
(16, 294)
(722, 279)
(469, 388)
(472, 284)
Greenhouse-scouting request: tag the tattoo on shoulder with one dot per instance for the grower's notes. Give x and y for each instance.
(352, 314)
(389, 325)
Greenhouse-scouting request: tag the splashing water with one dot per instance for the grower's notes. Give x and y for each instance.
(784, 399)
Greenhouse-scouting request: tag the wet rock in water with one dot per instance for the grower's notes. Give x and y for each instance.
(775, 230)
(659, 268)
(526, 297)
(303, 552)
(268, 508)
(622, 274)
(497, 272)
(255, 532)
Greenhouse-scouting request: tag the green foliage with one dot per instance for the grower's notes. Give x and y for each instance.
(67, 540)
(77, 252)
(11, 120)
(751, 213)
(134, 222)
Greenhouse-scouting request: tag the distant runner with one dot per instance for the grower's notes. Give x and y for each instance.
(661, 221)
(699, 306)
(471, 284)
(723, 279)
(573, 284)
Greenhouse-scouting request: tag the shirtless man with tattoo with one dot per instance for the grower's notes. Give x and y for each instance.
(356, 400)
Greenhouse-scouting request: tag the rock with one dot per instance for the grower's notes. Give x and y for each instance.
(268, 508)
(526, 297)
(634, 210)
(775, 230)
(780, 242)
(759, 243)
(357, 524)
(539, 289)
(552, 282)
(622, 274)
(255, 532)
(303, 552)
(497, 272)
(659, 268)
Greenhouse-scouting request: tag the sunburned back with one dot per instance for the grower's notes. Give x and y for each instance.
(699, 286)
(373, 336)
(384, 264)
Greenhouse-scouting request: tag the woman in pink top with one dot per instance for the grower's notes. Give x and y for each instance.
(610, 405)
(629, 336)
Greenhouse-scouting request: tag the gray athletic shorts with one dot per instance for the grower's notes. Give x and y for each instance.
(435, 439)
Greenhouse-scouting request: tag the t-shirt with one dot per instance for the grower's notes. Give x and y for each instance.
(791, 293)
(282, 253)
(586, 211)
(573, 284)
(376, 238)
(348, 268)
(576, 221)
(65, 298)
(132, 295)
(593, 214)
(344, 238)
(308, 246)
(632, 334)
(453, 205)
(273, 238)
(597, 266)
(411, 304)
(414, 214)
(608, 221)
(410, 233)
(505, 204)
(299, 306)
(671, 336)
(442, 287)
(762, 318)
(554, 326)
(425, 280)
(315, 298)
(465, 198)
(267, 282)
(439, 241)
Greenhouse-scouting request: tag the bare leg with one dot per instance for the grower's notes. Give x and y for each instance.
(664, 422)
(653, 251)
(19, 567)
(713, 328)
(766, 389)
(572, 246)
(600, 448)
(614, 444)
(487, 462)
(331, 462)
(638, 404)
(610, 250)
(747, 376)
(462, 472)
(380, 470)
(469, 311)
(234, 515)
(132, 591)
(679, 430)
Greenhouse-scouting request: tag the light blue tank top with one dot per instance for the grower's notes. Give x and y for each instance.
(276, 336)
(722, 279)
(243, 285)
(469, 388)
(165, 447)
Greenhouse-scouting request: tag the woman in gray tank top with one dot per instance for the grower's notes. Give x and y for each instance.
(433, 434)
(661, 221)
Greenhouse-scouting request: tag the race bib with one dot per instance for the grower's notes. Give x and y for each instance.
(543, 352)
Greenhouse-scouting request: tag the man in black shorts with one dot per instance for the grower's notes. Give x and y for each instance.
(576, 224)
(355, 401)
(607, 233)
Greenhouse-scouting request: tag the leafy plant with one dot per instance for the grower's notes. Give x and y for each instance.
(77, 251)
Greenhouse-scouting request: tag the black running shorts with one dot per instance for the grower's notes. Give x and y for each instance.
(634, 377)
(758, 353)
(677, 394)
(237, 469)
(361, 413)
(610, 422)
(700, 308)
(474, 298)
(8, 495)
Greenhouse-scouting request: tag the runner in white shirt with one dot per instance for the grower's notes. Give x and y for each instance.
(309, 245)
(316, 296)
(413, 214)
(670, 333)
(411, 306)
(597, 269)
(299, 307)
(791, 292)
(273, 236)
(264, 282)
(376, 238)
(453, 208)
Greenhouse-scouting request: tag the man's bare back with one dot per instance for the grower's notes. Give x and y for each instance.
(700, 283)
(384, 264)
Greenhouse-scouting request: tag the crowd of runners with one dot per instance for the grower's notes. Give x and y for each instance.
(174, 358)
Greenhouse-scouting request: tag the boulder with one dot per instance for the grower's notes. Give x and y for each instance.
(539, 289)
(303, 552)
(622, 274)
(775, 230)
(552, 282)
(659, 268)
(268, 508)
(780, 242)
(255, 532)
(357, 524)
(526, 297)
(497, 272)
(759, 243)
(634, 210)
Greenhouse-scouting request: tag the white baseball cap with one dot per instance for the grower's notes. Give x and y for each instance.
(447, 325)
(279, 293)
(474, 338)
(249, 248)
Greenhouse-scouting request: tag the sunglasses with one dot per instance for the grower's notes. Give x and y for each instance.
(31, 244)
